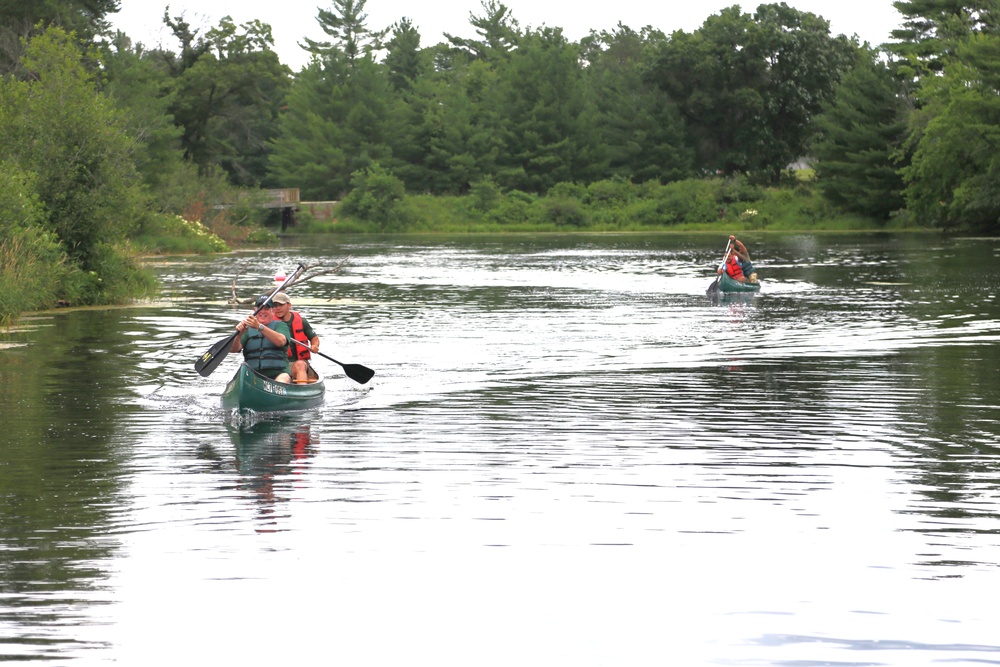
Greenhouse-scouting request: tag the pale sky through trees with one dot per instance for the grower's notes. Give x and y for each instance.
(291, 20)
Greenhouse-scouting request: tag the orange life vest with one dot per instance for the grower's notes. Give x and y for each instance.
(296, 352)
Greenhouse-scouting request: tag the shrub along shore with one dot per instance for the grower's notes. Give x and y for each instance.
(378, 205)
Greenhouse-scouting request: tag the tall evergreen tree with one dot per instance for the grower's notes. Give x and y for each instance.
(19, 20)
(309, 152)
(860, 137)
(498, 32)
(404, 59)
(931, 28)
(638, 124)
(347, 25)
(339, 114)
(550, 134)
(454, 136)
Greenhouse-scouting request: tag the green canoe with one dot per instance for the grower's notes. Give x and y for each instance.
(727, 284)
(252, 391)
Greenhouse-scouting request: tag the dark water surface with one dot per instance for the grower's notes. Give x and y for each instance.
(568, 456)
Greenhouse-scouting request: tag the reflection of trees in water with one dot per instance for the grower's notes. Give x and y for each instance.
(954, 436)
(61, 469)
(268, 456)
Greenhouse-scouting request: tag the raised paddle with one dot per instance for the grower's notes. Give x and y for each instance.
(356, 372)
(209, 361)
(714, 287)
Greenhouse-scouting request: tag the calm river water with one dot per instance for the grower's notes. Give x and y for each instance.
(569, 456)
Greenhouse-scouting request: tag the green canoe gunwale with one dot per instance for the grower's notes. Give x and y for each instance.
(249, 390)
(727, 284)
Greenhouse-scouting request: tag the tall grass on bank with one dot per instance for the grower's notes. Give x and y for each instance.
(164, 233)
(29, 280)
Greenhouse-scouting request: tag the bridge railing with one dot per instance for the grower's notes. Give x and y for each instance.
(282, 197)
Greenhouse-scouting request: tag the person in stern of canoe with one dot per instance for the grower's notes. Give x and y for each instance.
(301, 331)
(264, 342)
(738, 264)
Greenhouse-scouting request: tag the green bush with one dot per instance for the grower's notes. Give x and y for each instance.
(485, 195)
(610, 192)
(378, 197)
(568, 191)
(690, 201)
(511, 211)
(651, 212)
(564, 213)
(738, 189)
(64, 233)
(130, 280)
(520, 195)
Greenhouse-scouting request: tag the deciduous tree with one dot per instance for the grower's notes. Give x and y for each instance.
(749, 86)
(76, 145)
(226, 92)
(954, 176)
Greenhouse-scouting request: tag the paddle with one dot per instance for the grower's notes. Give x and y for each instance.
(356, 372)
(209, 361)
(714, 287)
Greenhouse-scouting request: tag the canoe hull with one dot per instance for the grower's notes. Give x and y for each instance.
(249, 390)
(727, 284)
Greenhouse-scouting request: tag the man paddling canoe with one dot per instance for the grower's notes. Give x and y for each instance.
(264, 342)
(738, 265)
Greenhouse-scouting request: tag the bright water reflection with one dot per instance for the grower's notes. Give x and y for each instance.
(569, 455)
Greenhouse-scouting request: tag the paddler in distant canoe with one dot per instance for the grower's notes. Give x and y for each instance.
(738, 265)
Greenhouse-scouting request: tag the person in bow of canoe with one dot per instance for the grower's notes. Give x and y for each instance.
(301, 331)
(738, 264)
(264, 341)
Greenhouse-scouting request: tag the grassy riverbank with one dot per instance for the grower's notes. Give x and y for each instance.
(715, 204)
(35, 278)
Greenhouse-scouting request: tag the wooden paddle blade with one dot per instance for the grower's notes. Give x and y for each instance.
(209, 361)
(358, 373)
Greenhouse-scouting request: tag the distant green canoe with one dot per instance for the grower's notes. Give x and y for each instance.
(250, 390)
(727, 284)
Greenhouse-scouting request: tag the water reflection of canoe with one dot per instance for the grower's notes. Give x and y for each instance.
(268, 455)
(727, 284)
(265, 445)
(250, 390)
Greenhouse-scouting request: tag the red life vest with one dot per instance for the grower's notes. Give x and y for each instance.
(296, 352)
(733, 268)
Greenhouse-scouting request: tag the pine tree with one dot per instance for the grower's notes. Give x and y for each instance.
(860, 132)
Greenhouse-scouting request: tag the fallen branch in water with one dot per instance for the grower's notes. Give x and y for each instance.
(309, 272)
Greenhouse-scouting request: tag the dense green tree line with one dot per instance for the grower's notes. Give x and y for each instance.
(102, 136)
